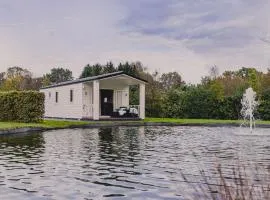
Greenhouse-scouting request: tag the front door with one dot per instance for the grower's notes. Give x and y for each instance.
(106, 97)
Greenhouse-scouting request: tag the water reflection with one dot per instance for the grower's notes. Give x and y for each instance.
(123, 145)
(23, 144)
(120, 163)
(20, 158)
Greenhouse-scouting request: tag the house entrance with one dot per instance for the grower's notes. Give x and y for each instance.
(106, 98)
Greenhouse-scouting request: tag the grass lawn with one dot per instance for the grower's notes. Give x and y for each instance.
(44, 124)
(66, 124)
(199, 121)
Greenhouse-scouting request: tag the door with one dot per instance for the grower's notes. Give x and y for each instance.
(106, 98)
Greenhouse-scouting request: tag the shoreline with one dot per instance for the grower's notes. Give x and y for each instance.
(100, 124)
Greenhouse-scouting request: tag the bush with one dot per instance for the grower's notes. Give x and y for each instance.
(227, 108)
(264, 107)
(203, 103)
(174, 104)
(21, 106)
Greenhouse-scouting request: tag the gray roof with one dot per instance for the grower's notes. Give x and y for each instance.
(92, 78)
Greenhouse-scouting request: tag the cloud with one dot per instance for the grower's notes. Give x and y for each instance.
(226, 33)
(199, 24)
(187, 36)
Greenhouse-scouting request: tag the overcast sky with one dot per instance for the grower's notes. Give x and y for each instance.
(187, 36)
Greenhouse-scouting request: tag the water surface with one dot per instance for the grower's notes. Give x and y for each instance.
(121, 163)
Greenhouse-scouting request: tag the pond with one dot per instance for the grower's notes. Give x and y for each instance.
(121, 163)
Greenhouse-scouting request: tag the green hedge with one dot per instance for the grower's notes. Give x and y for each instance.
(201, 103)
(21, 106)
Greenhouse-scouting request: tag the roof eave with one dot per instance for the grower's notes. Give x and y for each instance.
(90, 79)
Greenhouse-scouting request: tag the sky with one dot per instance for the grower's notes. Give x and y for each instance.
(187, 36)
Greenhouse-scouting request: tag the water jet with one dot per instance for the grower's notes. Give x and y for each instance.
(249, 105)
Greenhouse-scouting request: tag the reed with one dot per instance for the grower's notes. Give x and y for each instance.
(243, 183)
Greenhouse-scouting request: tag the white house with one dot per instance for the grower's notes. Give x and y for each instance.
(97, 97)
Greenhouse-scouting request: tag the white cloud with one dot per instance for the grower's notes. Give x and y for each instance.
(75, 34)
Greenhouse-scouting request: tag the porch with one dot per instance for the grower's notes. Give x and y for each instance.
(108, 99)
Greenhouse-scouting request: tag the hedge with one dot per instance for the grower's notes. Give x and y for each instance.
(201, 103)
(21, 106)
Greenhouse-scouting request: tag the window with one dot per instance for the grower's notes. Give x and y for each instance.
(49, 95)
(56, 97)
(71, 96)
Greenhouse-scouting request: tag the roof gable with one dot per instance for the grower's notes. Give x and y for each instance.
(93, 78)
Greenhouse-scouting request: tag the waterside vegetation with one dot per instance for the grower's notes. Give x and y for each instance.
(148, 121)
(201, 121)
(43, 124)
(217, 96)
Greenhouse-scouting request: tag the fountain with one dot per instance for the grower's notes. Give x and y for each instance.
(249, 105)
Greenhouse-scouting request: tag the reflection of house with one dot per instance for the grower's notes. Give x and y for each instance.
(94, 97)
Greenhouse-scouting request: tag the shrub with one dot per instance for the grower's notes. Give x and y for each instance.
(264, 107)
(21, 106)
(200, 102)
(174, 104)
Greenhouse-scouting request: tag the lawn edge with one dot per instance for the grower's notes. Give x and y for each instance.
(100, 124)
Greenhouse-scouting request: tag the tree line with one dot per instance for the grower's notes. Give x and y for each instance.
(217, 96)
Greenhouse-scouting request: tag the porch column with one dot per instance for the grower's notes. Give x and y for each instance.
(95, 100)
(142, 100)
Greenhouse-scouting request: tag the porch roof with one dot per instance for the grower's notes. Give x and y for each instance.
(93, 78)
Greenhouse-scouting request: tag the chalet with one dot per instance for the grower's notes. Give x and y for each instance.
(99, 97)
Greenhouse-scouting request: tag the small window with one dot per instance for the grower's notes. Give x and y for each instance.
(49, 95)
(71, 96)
(56, 97)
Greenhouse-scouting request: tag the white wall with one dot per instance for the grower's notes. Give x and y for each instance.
(64, 108)
(87, 100)
(82, 105)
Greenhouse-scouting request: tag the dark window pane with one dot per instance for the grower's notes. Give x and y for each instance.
(56, 97)
(71, 95)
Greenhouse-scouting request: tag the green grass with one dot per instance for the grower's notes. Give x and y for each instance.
(44, 124)
(66, 124)
(199, 121)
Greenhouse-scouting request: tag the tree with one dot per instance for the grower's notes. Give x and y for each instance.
(57, 75)
(15, 71)
(174, 103)
(109, 68)
(92, 70)
(253, 79)
(214, 72)
(243, 72)
(16, 78)
(87, 71)
(46, 80)
(126, 67)
(129, 68)
(264, 107)
(171, 80)
(217, 89)
(2, 78)
(97, 70)
(36, 83)
(154, 97)
(265, 82)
